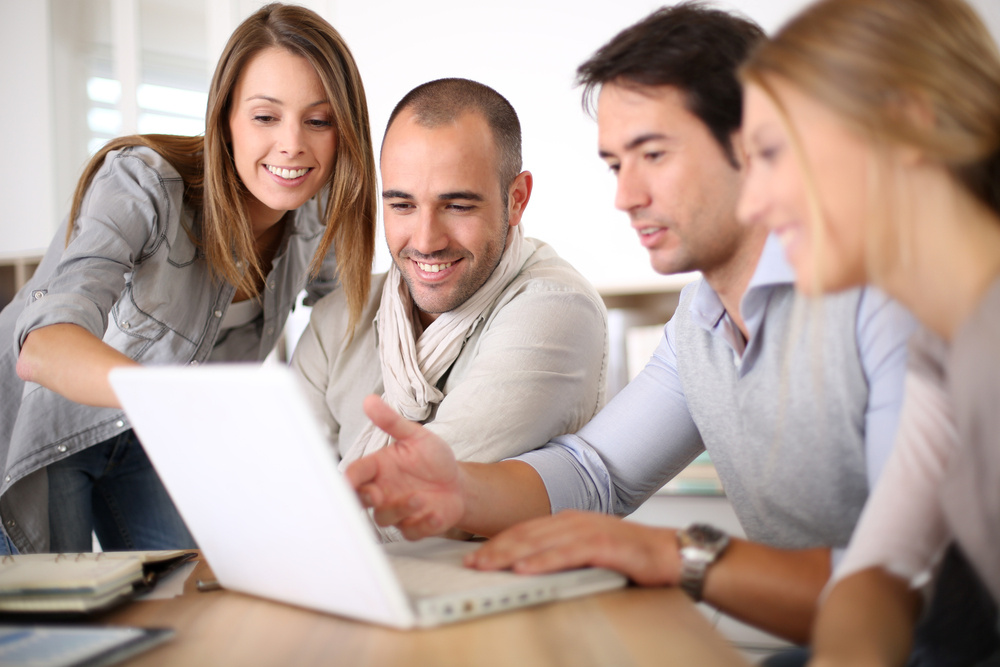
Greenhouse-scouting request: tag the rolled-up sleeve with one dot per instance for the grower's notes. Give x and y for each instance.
(118, 223)
(638, 442)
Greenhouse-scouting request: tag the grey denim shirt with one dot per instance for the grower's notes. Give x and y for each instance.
(132, 276)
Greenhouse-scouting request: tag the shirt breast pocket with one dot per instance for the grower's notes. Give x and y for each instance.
(131, 331)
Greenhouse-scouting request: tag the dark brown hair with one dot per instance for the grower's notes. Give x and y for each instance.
(437, 102)
(689, 47)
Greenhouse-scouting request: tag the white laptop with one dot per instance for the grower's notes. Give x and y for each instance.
(258, 486)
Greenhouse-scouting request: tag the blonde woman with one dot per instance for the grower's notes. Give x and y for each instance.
(182, 250)
(873, 128)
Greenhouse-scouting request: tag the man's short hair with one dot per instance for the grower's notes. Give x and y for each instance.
(690, 47)
(444, 100)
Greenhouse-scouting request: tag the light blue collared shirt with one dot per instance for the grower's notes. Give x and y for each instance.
(646, 434)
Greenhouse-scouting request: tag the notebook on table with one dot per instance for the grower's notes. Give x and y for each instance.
(46, 584)
(246, 463)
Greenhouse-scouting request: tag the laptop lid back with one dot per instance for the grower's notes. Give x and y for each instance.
(258, 486)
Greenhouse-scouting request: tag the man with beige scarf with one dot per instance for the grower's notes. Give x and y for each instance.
(484, 335)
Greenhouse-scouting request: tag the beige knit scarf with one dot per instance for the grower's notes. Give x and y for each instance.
(411, 368)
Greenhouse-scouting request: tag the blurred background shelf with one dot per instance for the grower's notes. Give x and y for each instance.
(15, 270)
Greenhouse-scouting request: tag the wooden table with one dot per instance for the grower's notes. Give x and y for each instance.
(623, 628)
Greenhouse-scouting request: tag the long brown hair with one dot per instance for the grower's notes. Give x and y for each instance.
(213, 186)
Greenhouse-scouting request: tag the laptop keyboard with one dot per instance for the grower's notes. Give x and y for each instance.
(426, 577)
(441, 589)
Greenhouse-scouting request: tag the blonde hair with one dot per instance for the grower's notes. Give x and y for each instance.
(870, 60)
(209, 173)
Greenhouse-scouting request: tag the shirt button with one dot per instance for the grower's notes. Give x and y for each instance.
(218, 313)
(270, 330)
(7, 478)
(193, 363)
(11, 523)
(271, 284)
(38, 294)
(61, 448)
(126, 326)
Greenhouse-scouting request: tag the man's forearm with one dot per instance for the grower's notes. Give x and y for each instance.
(499, 495)
(775, 590)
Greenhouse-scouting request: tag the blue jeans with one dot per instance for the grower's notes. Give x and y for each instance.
(7, 547)
(112, 490)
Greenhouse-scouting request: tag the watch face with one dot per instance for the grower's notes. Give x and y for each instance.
(706, 533)
(702, 540)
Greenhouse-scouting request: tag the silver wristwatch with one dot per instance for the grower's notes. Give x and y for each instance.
(700, 545)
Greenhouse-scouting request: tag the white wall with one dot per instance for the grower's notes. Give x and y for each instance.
(529, 50)
(526, 49)
(27, 184)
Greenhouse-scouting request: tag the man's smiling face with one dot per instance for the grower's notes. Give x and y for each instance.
(446, 220)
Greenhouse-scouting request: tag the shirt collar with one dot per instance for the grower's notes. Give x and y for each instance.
(772, 270)
(772, 267)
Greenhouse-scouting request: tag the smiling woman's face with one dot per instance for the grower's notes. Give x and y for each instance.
(821, 222)
(283, 135)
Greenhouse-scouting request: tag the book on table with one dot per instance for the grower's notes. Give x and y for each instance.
(80, 583)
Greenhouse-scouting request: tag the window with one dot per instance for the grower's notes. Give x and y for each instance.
(162, 110)
(161, 89)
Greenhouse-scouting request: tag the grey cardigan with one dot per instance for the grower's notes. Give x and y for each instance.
(132, 276)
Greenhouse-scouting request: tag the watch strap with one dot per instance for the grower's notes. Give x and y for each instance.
(693, 577)
(700, 545)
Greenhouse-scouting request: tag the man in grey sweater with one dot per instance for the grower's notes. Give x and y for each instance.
(796, 404)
